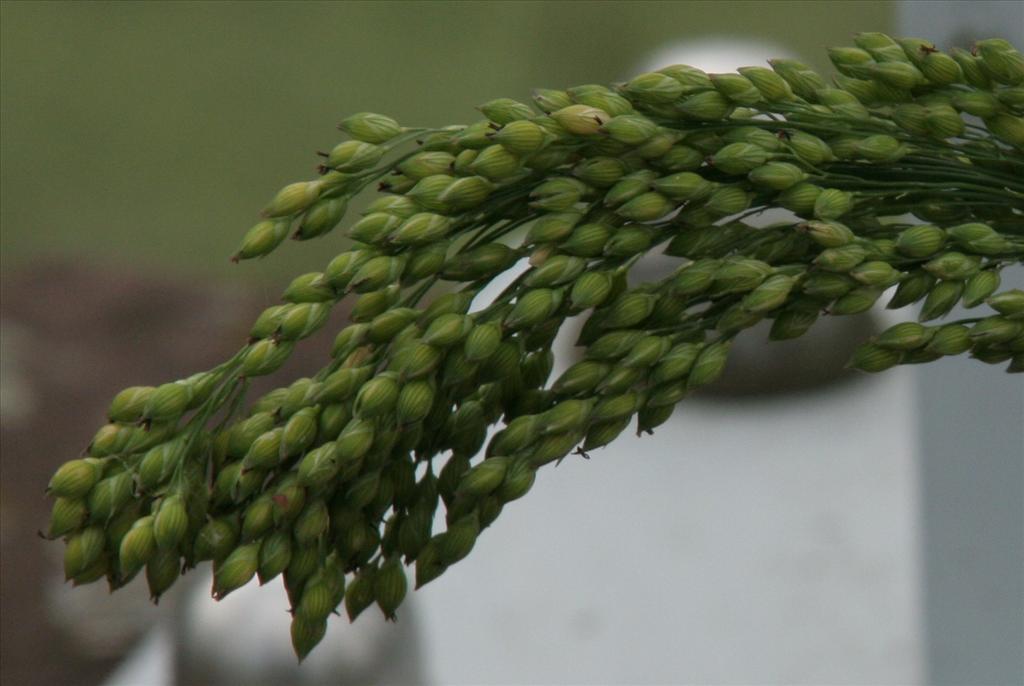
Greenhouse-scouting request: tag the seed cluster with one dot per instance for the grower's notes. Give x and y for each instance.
(906, 170)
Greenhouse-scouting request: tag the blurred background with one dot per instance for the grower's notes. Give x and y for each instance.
(836, 530)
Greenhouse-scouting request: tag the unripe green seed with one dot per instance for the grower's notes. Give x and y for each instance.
(581, 120)
(76, 478)
(709, 365)
(1008, 303)
(137, 547)
(414, 402)
(311, 523)
(772, 87)
(292, 199)
(953, 266)
(370, 127)
(684, 186)
(170, 523)
(82, 550)
(728, 200)
(951, 339)
(360, 593)
(265, 451)
(828, 234)
(706, 106)
(377, 397)
(521, 137)
(873, 358)
(67, 515)
(980, 286)
(109, 495)
(832, 204)
(629, 309)
(875, 273)
(590, 290)
(941, 299)
(236, 570)
(978, 238)
(262, 238)
(216, 540)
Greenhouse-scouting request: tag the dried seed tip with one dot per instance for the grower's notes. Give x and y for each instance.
(293, 198)
(370, 128)
(873, 358)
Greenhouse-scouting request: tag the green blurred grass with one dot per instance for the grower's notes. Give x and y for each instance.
(150, 133)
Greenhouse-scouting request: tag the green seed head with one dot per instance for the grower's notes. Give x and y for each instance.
(370, 128)
(262, 238)
(67, 515)
(581, 120)
(980, 286)
(521, 137)
(170, 523)
(706, 106)
(832, 204)
(772, 87)
(941, 299)
(505, 111)
(737, 88)
(876, 273)
(76, 478)
(709, 365)
(951, 339)
(874, 358)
